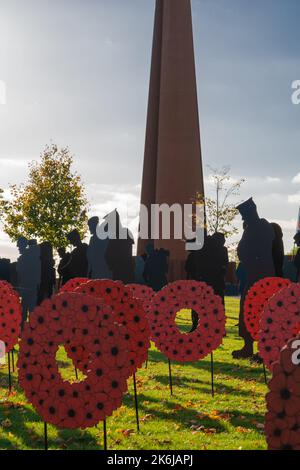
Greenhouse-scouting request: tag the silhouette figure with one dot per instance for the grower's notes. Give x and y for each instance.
(78, 264)
(5, 269)
(97, 267)
(297, 257)
(139, 269)
(209, 265)
(63, 266)
(13, 275)
(255, 252)
(119, 250)
(156, 267)
(48, 278)
(278, 250)
(28, 274)
(241, 274)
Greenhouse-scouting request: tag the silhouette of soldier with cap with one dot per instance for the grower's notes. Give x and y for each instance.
(78, 264)
(97, 267)
(119, 250)
(255, 252)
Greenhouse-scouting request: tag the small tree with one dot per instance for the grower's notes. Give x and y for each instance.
(220, 212)
(51, 204)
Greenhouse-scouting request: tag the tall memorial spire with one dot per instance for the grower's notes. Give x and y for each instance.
(172, 161)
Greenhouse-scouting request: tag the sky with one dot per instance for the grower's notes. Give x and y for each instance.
(76, 73)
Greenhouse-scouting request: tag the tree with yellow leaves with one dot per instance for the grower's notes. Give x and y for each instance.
(51, 204)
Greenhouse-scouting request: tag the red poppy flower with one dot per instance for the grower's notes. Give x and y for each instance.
(71, 285)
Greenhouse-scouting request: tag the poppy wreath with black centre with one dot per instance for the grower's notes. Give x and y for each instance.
(72, 284)
(128, 312)
(10, 315)
(256, 300)
(187, 347)
(280, 322)
(73, 319)
(282, 420)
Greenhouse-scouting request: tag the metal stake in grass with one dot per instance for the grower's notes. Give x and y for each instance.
(13, 359)
(45, 436)
(104, 434)
(265, 373)
(9, 373)
(136, 403)
(170, 378)
(212, 374)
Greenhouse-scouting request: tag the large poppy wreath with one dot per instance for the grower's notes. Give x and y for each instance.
(72, 284)
(279, 323)
(74, 320)
(209, 333)
(128, 312)
(256, 300)
(10, 315)
(282, 421)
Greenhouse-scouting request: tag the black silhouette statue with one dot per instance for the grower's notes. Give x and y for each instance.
(96, 252)
(28, 274)
(297, 257)
(255, 251)
(209, 265)
(140, 262)
(5, 269)
(63, 266)
(156, 267)
(78, 264)
(278, 250)
(119, 250)
(48, 278)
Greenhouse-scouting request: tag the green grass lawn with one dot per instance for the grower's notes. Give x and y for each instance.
(191, 419)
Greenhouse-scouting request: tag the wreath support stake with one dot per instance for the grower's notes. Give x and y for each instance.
(104, 434)
(13, 359)
(45, 436)
(9, 372)
(170, 378)
(136, 403)
(212, 374)
(265, 373)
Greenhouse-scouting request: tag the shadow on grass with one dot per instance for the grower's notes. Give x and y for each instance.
(28, 428)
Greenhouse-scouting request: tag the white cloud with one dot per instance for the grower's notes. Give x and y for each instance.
(296, 179)
(294, 198)
(272, 179)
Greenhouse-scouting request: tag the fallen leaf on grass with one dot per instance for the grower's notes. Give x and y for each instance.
(146, 418)
(6, 423)
(243, 430)
(126, 432)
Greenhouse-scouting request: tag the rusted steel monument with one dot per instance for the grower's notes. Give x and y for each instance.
(172, 161)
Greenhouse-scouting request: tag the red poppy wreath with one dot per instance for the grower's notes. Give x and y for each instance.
(279, 323)
(209, 333)
(282, 421)
(71, 285)
(10, 315)
(128, 312)
(73, 320)
(144, 293)
(256, 300)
